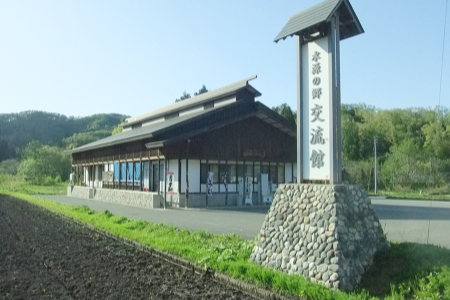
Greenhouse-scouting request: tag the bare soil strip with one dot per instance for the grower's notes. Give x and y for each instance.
(44, 256)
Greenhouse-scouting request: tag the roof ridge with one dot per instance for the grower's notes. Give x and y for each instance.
(192, 102)
(319, 14)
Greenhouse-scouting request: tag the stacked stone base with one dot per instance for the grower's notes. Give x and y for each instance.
(326, 233)
(135, 198)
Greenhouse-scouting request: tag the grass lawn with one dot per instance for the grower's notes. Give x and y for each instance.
(413, 195)
(12, 183)
(406, 271)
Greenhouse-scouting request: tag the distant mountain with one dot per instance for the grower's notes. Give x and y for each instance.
(18, 129)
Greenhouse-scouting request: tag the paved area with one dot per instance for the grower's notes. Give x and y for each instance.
(402, 220)
(415, 221)
(244, 222)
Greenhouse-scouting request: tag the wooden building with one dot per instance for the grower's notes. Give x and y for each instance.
(211, 148)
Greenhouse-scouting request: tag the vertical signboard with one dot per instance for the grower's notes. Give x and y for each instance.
(210, 183)
(316, 108)
(170, 183)
(319, 31)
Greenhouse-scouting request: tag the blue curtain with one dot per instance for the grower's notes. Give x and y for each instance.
(123, 171)
(116, 171)
(137, 172)
(130, 172)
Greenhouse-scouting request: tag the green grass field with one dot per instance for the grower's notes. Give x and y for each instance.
(406, 271)
(417, 196)
(11, 183)
(435, 194)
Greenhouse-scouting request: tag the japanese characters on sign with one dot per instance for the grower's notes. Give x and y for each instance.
(316, 110)
(316, 134)
(170, 183)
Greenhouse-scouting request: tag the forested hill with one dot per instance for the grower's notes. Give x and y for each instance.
(18, 129)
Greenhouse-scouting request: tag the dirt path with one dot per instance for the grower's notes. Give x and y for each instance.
(43, 256)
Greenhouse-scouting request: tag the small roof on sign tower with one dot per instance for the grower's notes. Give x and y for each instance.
(314, 19)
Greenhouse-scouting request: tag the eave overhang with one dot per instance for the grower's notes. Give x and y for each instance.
(315, 21)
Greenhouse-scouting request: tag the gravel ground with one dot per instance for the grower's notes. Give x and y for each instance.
(44, 256)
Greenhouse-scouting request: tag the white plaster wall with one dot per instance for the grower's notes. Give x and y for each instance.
(194, 176)
(87, 180)
(145, 177)
(232, 187)
(183, 177)
(96, 176)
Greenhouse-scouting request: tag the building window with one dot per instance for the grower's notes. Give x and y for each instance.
(222, 171)
(205, 169)
(240, 173)
(273, 174)
(130, 173)
(116, 172)
(123, 172)
(215, 168)
(231, 170)
(249, 171)
(257, 173)
(265, 169)
(203, 173)
(137, 173)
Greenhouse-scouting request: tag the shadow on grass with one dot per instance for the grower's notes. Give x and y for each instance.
(403, 264)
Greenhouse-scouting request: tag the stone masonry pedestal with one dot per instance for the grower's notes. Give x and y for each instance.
(326, 233)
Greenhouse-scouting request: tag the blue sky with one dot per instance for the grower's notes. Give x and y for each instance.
(83, 57)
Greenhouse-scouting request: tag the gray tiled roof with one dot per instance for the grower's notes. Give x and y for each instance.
(136, 134)
(195, 101)
(322, 13)
(258, 110)
(146, 132)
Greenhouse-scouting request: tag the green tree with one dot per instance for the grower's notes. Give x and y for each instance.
(83, 138)
(118, 128)
(6, 150)
(202, 90)
(183, 97)
(19, 129)
(437, 134)
(31, 151)
(9, 166)
(30, 169)
(350, 139)
(285, 111)
(404, 166)
(359, 172)
(397, 125)
(41, 161)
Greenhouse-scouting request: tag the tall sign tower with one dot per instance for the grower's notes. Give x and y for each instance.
(319, 31)
(348, 223)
